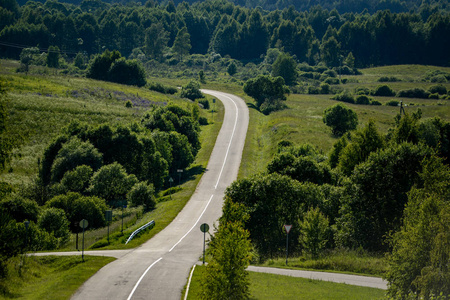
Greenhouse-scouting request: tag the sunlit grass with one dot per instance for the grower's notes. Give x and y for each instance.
(269, 286)
(48, 277)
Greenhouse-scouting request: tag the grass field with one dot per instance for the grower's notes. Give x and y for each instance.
(48, 277)
(269, 286)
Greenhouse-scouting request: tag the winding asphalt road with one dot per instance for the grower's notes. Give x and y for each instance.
(159, 268)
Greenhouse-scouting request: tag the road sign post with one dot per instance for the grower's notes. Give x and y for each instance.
(170, 182)
(83, 224)
(179, 171)
(288, 228)
(108, 218)
(204, 228)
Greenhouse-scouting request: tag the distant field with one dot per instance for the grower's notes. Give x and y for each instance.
(302, 121)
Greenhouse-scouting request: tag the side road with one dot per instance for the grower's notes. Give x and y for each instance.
(367, 281)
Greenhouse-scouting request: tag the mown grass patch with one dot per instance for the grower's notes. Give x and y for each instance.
(269, 286)
(48, 277)
(339, 260)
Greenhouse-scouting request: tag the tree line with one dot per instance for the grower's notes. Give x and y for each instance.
(381, 193)
(164, 32)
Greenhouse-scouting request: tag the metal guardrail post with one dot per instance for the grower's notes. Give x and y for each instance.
(143, 227)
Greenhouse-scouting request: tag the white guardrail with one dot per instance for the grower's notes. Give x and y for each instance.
(137, 231)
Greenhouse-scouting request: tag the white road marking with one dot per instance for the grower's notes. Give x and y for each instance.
(140, 279)
(229, 144)
(193, 225)
(189, 283)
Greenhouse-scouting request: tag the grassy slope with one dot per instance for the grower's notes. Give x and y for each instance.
(52, 278)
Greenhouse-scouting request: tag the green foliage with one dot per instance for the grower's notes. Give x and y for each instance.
(129, 72)
(204, 103)
(78, 179)
(438, 89)
(161, 88)
(392, 103)
(111, 182)
(271, 201)
(191, 91)
(20, 209)
(384, 90)
(345, 96)
(53, 57)
(182, 43)
(379, 188)
(363, 143)
(314, 232)
(27, 56)
(75, 153)
(266, 89)
(363, 99)
(156, 39)
(226, 276)
(100, 65)
(285, 67)
(340, 118)
(421, 249)
(232, 69)
(78, 207)
(54, 221)
(142, 194)
(413, 93)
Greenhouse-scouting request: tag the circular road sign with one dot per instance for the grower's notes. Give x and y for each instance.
(204, 227)
(84, 223)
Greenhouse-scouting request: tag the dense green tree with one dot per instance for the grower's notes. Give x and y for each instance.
(421, 248)
(20, 208)
(363, 142)
(314, 232)
(129, 72)
(100, 65)
(27, 56)
(111, 182)
(230, 249)
(78, 179)
(53, 57)
(142, 194)
(182, 44)
(75, 153)
(192, 91)
(265, 88)
(78, 207)
(330, 52)
(156, 39)
(54, 221)
(340, 118)
(378, 189)
(286, 67)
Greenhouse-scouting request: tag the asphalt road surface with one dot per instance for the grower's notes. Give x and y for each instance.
(159, 268)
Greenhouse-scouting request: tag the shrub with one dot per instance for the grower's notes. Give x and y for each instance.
(313, 90)
(345, 96)
(439, 89)
(331, 80)
(191, 91)
(78, 179)
(388, 79)
(54, 221)
(438, 79)
(362, 99)
(204, 103)
(340, 118)
(142, 194)
(375, 102)
(433, 96)
(314, 231)
(203, 121)
(362, 91)
(384, 91)
(414, 93)
(162, 88)
(128, 104)
(392, 103)
(330, 73)
(324, 88)
(19, 208)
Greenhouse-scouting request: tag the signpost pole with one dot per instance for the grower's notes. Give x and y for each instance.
(82, 247)
(288, 228)
(204, 228)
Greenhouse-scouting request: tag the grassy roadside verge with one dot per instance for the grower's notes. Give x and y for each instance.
(269, 286)
(48, 277)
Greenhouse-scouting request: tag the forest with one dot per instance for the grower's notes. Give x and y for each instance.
(166, 33)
